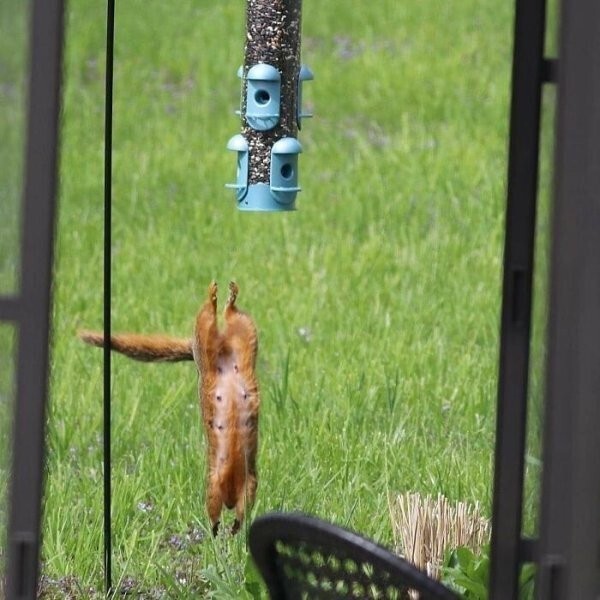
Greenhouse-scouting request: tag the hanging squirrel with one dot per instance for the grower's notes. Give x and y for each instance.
(228, 391)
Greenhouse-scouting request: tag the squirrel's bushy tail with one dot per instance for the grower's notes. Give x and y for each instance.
(147, 348)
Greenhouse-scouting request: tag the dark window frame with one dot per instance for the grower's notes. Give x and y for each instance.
(570, 494)
(29, 308)
(567, 551)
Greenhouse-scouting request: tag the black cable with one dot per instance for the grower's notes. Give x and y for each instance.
(110, 37)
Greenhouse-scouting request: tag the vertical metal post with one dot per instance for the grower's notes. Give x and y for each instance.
(32, 307)
(527, 79)
(570, 519)
(107, 483)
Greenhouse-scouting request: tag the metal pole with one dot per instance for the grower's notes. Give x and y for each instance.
(511, 419)
(110, 40)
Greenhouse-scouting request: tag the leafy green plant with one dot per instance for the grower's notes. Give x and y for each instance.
(468, 574)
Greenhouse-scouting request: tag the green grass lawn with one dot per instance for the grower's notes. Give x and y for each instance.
(377, 302)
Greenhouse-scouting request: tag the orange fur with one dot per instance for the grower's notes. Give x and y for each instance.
(228, 391)
(147, 348)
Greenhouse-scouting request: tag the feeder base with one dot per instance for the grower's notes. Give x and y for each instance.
(259, 198)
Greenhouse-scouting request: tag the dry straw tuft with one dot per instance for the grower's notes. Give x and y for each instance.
(425, 528)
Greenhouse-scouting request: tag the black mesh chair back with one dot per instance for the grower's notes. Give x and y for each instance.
(301, 557)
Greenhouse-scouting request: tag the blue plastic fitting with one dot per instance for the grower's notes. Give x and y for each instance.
(305, 74)
(263, 105)
(263, 97)
(284, 170)
(280, 193)
(238, 144)
(260, 199)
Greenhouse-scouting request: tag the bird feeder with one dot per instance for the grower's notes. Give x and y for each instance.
(271, 108)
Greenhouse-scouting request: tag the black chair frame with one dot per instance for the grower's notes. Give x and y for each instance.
(300, 556)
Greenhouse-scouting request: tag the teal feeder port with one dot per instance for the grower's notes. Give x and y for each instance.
(263, 97)
(305, 75)
(280, 193)
(238, 144)
(284, 170)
